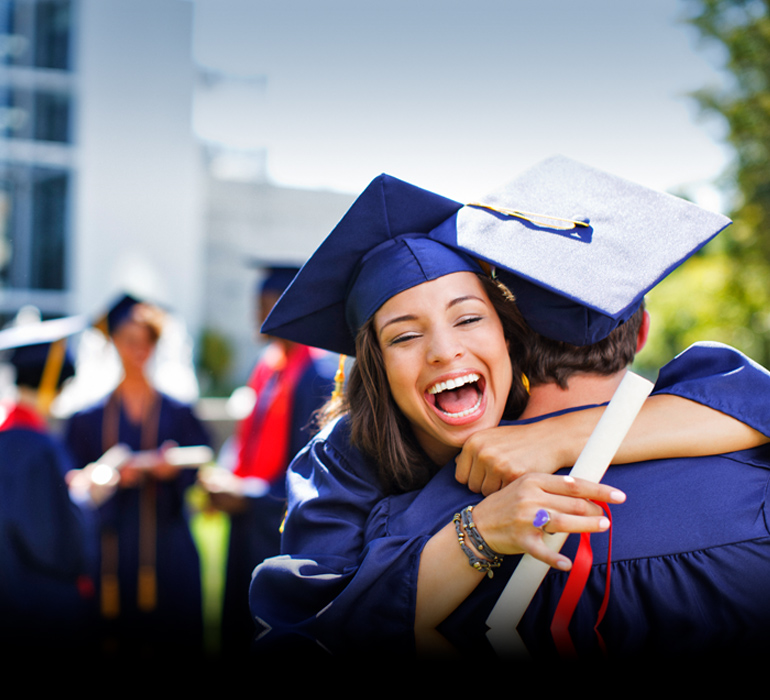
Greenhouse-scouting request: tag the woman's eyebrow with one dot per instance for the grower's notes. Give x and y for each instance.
(459, 300)
(398, 319)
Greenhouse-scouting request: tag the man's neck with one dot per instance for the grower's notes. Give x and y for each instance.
(583, 390)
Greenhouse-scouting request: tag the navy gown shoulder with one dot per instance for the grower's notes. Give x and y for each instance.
(44, 544)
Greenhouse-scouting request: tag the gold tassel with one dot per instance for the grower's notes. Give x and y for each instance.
(532, 217)
(339, 380)
(525, 382)
(46, 391)
(147, 595)
(109, 599)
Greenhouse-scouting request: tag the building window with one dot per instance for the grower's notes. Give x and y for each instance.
(33, 216)
(34, 114)
(35, 33)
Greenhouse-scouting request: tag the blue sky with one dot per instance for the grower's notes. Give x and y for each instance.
(458, 97)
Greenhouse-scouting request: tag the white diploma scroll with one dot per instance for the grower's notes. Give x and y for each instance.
(97, 483)
(591, 466)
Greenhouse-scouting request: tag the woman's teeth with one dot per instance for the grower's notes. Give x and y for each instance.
(456, 399)
(453, 384)
(467, 411)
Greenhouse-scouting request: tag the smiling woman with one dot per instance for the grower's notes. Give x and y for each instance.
(439, 348)
(381, 422)
(446, 358)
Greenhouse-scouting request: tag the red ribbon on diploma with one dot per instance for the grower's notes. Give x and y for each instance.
(576, 583)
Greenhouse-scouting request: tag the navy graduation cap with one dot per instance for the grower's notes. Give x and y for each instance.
(276, 275)
(578, 247)
(277, 278)
(119, 311)
(39, 354)
(378, 249)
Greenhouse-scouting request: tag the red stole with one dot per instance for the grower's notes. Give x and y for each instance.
(264, 436)
(13, 415)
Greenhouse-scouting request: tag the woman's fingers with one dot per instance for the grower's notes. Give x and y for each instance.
(578, 488)
(563, 522)
(538, 549)
(518, 517)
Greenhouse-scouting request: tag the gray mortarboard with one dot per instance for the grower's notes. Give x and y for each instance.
(578, 247)
(39, 353)
(378, 249)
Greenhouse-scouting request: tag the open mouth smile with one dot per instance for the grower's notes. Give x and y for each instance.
(458, 397)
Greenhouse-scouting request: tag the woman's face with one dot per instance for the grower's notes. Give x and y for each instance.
(446, 359)
(134, 343)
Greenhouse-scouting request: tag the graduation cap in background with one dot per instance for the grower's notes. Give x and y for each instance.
(38, 351)
(378, 249)
(275, 275)
(277, 278)
(578, 247)
(119, 311)
(123, 309)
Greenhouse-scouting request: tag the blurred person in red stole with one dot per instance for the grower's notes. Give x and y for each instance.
(46, 590)
(288, 384)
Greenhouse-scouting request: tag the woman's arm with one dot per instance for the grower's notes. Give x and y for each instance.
(668, 426)
(711, 399)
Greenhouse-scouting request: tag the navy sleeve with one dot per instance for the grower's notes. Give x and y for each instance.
(722, 378)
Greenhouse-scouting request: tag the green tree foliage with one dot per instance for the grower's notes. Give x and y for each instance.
(723, 293)
(214, 362)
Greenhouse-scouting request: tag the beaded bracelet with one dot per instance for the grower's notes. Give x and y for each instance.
(479, 563)
(475, 535)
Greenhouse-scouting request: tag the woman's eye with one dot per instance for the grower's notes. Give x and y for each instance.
(469, 320)
(403, 338)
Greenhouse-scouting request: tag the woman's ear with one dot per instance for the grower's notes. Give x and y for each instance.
(644, 330)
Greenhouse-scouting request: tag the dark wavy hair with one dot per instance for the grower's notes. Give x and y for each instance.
(554, 361)
(378, 427)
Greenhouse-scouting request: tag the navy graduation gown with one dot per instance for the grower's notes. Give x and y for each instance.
(178, 612)
(45, 539)
(348, 574)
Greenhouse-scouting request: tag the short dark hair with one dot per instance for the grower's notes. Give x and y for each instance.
(554, 361)
(378, 427)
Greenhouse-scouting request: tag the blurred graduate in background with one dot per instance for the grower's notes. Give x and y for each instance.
(46, 587)
(288, 384)
(149, 579)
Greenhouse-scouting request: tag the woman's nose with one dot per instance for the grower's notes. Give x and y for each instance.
(444, 347)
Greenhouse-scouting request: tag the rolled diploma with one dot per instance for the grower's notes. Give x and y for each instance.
(591, 466)
(181, 457)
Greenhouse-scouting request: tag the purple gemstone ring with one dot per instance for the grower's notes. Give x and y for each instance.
(542, 518)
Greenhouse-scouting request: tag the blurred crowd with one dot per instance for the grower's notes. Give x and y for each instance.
(123, 532)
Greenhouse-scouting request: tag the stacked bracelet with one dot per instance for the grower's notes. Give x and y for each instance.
(476, 538)
(490, 559)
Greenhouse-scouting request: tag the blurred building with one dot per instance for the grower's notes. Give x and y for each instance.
(100, 174)
(250, 224)
(105, 185)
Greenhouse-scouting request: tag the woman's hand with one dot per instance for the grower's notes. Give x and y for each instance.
(493, 458)
(505, 519)
(225, 490)
(162, 470)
